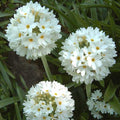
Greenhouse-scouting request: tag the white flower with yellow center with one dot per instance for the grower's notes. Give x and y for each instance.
(44, 102)
(97, 105)
(87, 55)
(33, 31)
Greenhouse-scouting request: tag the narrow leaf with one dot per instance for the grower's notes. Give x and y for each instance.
(2, 35)
(4, 23)
(5, 14)
(8, 101)
(5, 76)
(69, 85)
(110, 91)
(115, 104)
(17, 112)
(23, 82)
(20, 93)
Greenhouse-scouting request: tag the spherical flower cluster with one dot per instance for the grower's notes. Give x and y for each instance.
(33, 31)
(48, 101)
(97, 105)
(87, 55)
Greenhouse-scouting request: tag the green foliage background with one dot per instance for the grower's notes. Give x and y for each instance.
(72, 14)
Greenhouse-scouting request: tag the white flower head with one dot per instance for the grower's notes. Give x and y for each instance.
(97, 105)
(87, 55)
(33, 31)
(44, 102)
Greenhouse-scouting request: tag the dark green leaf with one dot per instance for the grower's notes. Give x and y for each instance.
(8, 101)
(115, 104)
(17, 112)
(5, 14)
(2, 35)
(1, 118)
(110, 91)
(6, 77)
(20, 93)
(23, 82)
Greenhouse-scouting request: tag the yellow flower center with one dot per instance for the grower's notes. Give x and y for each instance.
(60, 112)
(105, 106)
(44, 117)
(38, 109)
(46, 90)
(43, 27)
(92, 40)
(25, 13)
(97, 48)
(89, 53)
(27, 26)
(55, 94)
(41, 36)
(31, 40)
(43, 103)
(20, 34)
(93, 59)
(78, 58)
(48, 108)
(60, 102)
(84, 66)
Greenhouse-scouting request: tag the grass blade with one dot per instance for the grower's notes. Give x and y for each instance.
(17, 112)
(6, 78)
(8, 101)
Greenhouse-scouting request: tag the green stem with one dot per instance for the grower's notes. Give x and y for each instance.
(88, 90)
(47, 70)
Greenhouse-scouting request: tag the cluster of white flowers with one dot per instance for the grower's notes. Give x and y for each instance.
(87, 55)
(97, 105)
(33, 31)
(48, 101)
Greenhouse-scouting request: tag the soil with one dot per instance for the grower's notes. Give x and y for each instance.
(32, 71)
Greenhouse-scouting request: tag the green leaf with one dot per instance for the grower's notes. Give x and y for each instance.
(84, 116)
(110, 91)
(102, 83)
(54, 61)
(6, 77)
(8, 101)
(88, 90)
(115, 68)
(94, 5)
(20, 93)
(17, 112)
(9, 72)
(23, 82)
(2, 35)
(18, 1)
(1, 118)
(115, 104)
(5, 14)
(4, 23)
(71, 84)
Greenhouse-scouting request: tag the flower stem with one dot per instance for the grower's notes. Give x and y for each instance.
(46, 67)
(88, 90)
